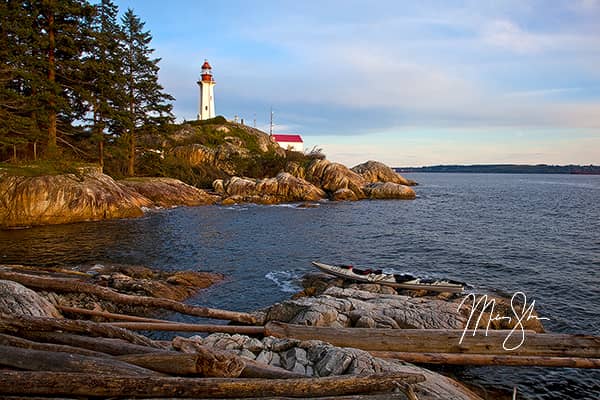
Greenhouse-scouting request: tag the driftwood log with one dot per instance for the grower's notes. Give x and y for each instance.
(106, 315)
(252, 368)
(110, 346)
(77, 384)
(40, 360)
(22, 323)
(442, 341)
(206, 362)
(489, 359)
(7, 340)
(79, 286)
(181, 327)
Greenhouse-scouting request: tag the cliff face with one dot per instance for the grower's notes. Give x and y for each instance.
(59, 199)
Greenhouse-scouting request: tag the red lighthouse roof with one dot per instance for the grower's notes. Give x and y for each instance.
(206, 65)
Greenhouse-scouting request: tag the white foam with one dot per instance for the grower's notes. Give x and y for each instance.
(286, 281)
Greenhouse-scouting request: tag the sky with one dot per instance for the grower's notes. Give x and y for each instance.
(408, 83)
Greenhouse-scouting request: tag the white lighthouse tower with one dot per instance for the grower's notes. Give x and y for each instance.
(207, 99)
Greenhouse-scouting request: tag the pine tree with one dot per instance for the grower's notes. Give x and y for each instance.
(17, 103)
(63, 36)
(147, 104)
(104, 70)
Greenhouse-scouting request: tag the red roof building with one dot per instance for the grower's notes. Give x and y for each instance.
(288, 138)
(289, 142)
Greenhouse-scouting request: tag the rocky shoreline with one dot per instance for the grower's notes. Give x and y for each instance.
(91, 195)
(324, 302)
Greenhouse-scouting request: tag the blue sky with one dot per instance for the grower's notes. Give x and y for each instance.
(409, 83)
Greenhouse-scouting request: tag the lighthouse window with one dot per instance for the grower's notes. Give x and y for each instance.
(206, 107)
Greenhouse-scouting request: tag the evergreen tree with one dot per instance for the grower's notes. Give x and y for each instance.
(17, 104)
(105, 73)
(63, 36)
(147, 104)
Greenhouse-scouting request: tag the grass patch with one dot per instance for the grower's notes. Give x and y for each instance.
(44, 167)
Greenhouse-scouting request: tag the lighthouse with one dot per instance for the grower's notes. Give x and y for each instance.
(207, 98)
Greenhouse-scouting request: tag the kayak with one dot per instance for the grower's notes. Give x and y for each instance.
(400, 281)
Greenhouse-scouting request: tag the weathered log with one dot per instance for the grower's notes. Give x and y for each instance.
(40, 360)
(252, 368)
(489, 359)
(78, 286)
(77, 384)
(255, 369)
(107, 315)
(115, 347)
(379, 396)
(22, 323)
(202, 363)
(7, 340)
(216, 362)
(443, 341)
(181, 327)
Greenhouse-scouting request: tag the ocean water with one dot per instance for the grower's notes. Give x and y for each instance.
(539, 234)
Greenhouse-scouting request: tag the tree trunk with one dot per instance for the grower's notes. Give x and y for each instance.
(52, 79)
(40, 360)
(7, 340)
(443, 341)
(205, 363)
(115, 347)
(131, 153)
(73, 384)
(23, 324)
(489, 359)
(77, 286)
(101, 153)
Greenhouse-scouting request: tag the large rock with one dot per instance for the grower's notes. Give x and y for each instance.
(169, 192)
(389, 190)
(283, 188)
(375, 171)
(349, 307)
(316, 358)
(332, 177)
(58, 199)
(16, 299)
(234, 142)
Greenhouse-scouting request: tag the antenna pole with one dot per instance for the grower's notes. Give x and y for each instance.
(271, 125)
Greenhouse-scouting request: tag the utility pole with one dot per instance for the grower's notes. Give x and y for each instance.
(271, 124)
(254, 120)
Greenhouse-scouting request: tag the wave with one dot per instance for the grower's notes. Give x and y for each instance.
(286, 281)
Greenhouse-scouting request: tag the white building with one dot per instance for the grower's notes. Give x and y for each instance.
(289, 142)
(207, 97)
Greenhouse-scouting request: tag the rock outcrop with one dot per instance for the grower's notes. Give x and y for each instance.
(16, 299)
(168, 192)
(236, 142)
(283, 188)
(351, 307)
(375, 171)
(58, 199)
(332, 177)
(389, 190)
(316, 358)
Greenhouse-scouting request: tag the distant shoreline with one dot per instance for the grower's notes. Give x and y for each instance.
(507, 169)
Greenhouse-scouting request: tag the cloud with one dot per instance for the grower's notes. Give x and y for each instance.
(508, 35)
